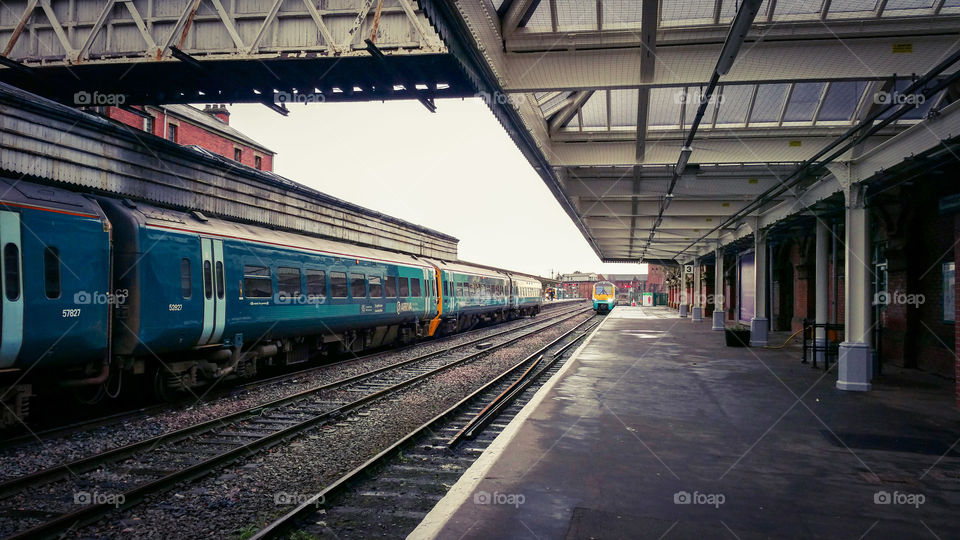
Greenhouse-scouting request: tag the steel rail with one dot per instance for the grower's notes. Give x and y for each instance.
(133, 496)
(278, 525)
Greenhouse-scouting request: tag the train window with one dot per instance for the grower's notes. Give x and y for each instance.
(316, 283)
(404, 287)
(11, 264)
(391, 286)
(415, 287)
(207, 280)
(256, 281)
(376, 287)
(338, 284)
(186, 282)
(445, 289)
(51, 271)
(288, 282)
(358, 286)
(220, 282)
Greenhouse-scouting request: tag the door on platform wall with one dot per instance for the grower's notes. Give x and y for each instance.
(880, 299)
(746, 278)
(783, 294)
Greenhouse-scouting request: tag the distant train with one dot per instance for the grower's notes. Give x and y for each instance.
(97, 289)
(604, 296)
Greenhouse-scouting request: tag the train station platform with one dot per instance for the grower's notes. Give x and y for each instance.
(655, 429)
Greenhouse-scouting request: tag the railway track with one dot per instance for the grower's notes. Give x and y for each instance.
(121, 477)
(40, 433)
(387, 496)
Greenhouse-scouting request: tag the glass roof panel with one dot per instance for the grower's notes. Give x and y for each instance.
(842, 100)
(803, 102)
(621, 14)
(921, 109)
(554, 104)
(540, 21)
(576, 15)
(734, 102)
(729, 8)
(893, 5)
(595, 111)
(769, 103)
(623, 107)
(797, 9)
(693, 103)
(664, 108)
(686, 12)
(573, 124)
(842, 6)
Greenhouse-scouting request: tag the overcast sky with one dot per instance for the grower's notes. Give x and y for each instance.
(456, 171)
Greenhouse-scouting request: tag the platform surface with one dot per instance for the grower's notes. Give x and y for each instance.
(657, 430)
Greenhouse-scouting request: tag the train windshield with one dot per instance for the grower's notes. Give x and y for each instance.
(603, 288)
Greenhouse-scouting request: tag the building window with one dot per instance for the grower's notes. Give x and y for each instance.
(288, 282)
(316, 284)
(338, 284)
(258, 162)
(376, 288)
(148, 124)
(237, 154)
(391, 286)
(358, 286)
(257, 282)
(172, 133)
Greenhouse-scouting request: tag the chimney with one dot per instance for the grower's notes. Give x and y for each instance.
(218, 111)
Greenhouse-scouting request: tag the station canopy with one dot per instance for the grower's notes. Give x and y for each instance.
(609, 90)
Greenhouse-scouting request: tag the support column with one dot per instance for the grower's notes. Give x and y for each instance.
(856, 359)
(697, 312)
(821, 281)
(684, 307)
(719, 315)
(759, 324)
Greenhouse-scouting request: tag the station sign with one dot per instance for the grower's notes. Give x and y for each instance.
(688, 269)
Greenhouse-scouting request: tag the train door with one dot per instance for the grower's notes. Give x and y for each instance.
(214, 297)
(11, 275)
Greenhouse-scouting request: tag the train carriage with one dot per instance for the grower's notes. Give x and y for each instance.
(232, 294)
(95, 287)
(56, 290)
(604, 296)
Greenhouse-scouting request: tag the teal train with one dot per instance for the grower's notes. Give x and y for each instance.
(100, 293)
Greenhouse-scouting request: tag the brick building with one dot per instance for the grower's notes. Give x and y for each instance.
(578, 284)
(208, 128)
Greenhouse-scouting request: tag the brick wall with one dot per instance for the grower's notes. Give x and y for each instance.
(191, 134)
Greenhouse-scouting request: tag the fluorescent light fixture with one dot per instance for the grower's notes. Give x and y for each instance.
(684, 158)
(738, 32)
